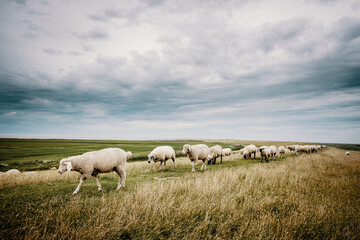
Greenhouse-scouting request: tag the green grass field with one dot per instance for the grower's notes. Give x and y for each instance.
(312, 196)
(42, 154)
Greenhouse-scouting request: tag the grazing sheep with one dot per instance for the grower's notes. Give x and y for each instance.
(215, 152)
(248, 150)
(281, 150)
(226, 151)
(13, 172)
(262, 152)
(347, 153)
(196, 152)
(273, 151)
(241, 152)
(162, 154)
(267, 153)
(292, 147)
(92, 163)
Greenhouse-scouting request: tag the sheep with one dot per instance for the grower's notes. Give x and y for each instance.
(281, 150)
(162, 154)
(215, 152)
(196, 152)
(241, 152)
(12, 172)
(262, 152)
(273, 151)
(95, 162)
(292, 147)
(267, 153)
(347, 153)
(226, 151)
(248, 150)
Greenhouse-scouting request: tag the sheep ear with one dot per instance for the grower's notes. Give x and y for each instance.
(189, 147)
(68, 166)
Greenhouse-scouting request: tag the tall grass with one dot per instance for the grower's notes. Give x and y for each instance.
(310, 196)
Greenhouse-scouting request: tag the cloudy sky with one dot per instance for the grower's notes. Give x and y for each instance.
(157, 69)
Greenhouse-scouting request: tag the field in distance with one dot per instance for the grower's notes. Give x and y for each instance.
(42, 154)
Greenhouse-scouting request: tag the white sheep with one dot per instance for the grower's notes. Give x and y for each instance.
(273, 151)
(12, 172)
(281, 151)
(215, 152)
(226, 151)
(347, 153)
(262, 152)
(248, 150)
(196, 152)
(162, 154)
(92, 163)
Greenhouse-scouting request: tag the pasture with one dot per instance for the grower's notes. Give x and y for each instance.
(307, 196)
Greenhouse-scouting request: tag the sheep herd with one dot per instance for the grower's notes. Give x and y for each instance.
(114, 159)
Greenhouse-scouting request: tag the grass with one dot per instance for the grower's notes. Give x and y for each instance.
(308, 197)
(41, 154)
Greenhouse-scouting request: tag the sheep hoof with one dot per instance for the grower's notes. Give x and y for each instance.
(75, 193)
(100, 190)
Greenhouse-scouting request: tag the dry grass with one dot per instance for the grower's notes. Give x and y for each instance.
(310, 196)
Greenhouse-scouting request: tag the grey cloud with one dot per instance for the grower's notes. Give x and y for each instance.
(95, 34)
(52, 51)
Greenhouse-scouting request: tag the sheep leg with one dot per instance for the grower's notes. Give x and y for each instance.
(254, 155)
(154, 168)
(214, 161)
(122, 175)
(98, 183)
(161, 165)
(192, 165)
(174, 162)
(203, 165)
(82, 178)
(164, 164)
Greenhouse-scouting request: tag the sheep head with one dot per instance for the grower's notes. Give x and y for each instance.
(151, 157)
(186, 149)
(65, 165)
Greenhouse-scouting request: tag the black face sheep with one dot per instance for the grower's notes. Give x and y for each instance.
(162, 154)
(196, 152)
(92, 163)
(215, 152)
(281, 150)
(248, 150)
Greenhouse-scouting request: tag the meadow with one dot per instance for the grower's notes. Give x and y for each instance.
(313, 196)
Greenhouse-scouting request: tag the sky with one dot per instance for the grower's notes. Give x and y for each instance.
(277, 70)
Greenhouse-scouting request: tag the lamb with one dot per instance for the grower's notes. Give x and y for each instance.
(347, 153)
(226, 151)
(196, 152)
(92, 163)
(248, 150)
(162, 154)
(281, 150)
(215, 152)
(273, 151)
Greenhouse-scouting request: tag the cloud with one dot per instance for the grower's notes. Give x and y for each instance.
(95, 34)
(161, 69)
(52, 51)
